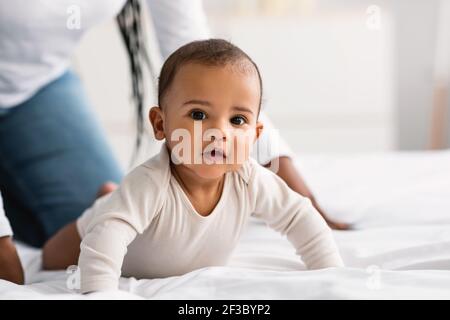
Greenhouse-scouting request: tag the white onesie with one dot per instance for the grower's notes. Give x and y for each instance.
(151, 216)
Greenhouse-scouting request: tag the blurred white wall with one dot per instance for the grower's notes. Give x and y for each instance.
(328, 75)
(415, 44)
(420, 32)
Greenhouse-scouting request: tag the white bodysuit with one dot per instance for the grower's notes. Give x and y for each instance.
(151, 216)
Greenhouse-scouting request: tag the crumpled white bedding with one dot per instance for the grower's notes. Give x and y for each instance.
(399, 204)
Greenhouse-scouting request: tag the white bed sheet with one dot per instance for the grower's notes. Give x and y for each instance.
(399, 202)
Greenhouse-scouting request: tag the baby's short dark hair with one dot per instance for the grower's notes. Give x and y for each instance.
(211, 52)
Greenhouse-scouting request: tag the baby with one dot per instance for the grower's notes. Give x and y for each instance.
(187, 207)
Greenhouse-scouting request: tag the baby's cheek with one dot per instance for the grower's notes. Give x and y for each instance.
(246, 138)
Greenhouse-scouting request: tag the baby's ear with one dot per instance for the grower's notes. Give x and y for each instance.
(259, 129)
(156, 118)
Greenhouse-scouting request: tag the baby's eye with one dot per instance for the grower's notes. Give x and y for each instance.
(198, 115)
(238, 120)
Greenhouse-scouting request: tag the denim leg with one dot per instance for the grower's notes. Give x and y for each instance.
(53, 159)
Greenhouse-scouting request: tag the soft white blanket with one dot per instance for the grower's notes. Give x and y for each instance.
(399, 203)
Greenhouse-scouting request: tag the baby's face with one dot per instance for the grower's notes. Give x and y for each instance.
(209, 118)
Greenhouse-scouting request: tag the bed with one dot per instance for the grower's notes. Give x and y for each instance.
(398, 204)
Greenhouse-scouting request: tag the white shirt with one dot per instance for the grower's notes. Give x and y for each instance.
(148, 228)
(37, 39)
(5, 227)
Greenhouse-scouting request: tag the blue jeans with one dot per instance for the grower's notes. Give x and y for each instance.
(53, 159)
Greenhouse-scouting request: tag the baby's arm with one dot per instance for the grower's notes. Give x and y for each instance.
(289, 213)
(112, 224)
(102, 253)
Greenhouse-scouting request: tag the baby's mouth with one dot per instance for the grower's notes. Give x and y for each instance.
(215, 154)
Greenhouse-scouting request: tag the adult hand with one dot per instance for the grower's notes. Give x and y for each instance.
(289, 173)
(10, 266)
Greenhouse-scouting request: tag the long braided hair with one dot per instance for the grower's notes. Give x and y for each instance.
(131, 29)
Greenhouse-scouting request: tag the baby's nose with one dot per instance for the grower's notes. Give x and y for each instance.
(219, 136)
(219, 132)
